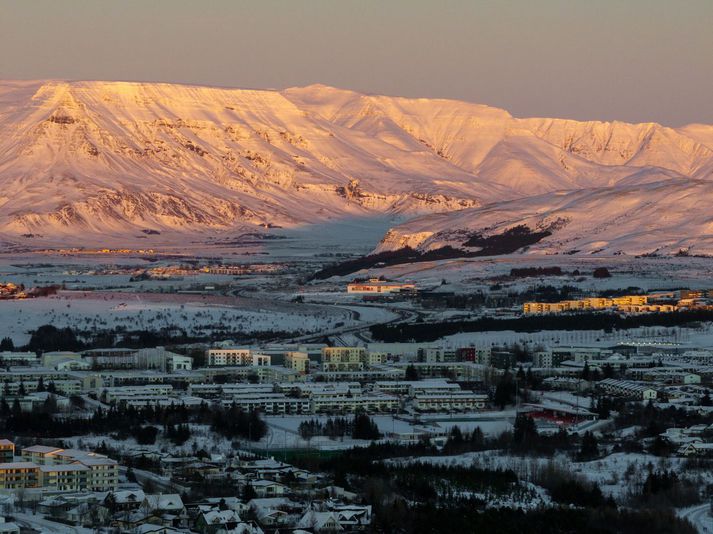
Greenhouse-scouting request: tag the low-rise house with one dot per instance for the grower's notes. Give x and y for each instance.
(8, 527)
(351, 516)
(269, 488)
(88, 514)
(696, 449)
(219, 521)
(320, 522)
(118, 501)
(168, 507)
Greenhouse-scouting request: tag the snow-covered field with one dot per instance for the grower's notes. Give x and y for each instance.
(618, 474)
(98, 311)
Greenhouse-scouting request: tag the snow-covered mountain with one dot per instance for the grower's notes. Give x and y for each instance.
(109, 162)
(665, 217)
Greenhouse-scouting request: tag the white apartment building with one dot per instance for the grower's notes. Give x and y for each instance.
(15, 358)
(271, 403)
(460, 401)
(356, 403)
(236, 357)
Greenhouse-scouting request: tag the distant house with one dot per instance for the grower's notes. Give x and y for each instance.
(7, 527)
(216, 521)
(124, 500)
(269, 488)
(320, 522)
(696, 449)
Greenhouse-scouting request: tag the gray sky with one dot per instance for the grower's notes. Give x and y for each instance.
(633, 60)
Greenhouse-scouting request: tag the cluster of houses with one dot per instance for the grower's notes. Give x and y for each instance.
(263, 494)
(696, 440)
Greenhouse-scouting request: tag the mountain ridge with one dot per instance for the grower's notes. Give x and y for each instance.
(95, 162)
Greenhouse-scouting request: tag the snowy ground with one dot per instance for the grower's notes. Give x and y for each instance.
(196, 314)
(284, 429)
(617, 474)
(700, 516)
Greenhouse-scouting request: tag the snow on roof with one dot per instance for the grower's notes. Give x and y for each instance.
(63, 467)
(165, 501)
(18, 465)
(265, 483)
(97, 461)
(42, 449)
(220, 517)
(318, 520)
(127, 496)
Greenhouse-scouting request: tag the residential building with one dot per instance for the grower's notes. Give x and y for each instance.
(297, 361)
(17, 475)
(7, 451)
(236, 357)
(627, 388)
(344, 359)
(379, 287)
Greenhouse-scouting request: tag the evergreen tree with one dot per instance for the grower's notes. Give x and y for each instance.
(248, 493)
(365, 428)
(589, 448)
(504, 391)
(6, 344)
(412, 373)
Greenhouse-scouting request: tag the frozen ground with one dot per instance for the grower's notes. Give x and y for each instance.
(284, 429)
(197, 314)
(618, 474)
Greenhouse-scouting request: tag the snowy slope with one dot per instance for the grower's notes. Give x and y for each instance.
(111, 162)
(665, 217)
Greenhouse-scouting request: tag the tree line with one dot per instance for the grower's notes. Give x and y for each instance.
(431, 331)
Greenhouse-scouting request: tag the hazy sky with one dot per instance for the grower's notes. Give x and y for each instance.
(634, 60)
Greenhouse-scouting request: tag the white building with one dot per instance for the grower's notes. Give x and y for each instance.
(236, 357)
(627, 388)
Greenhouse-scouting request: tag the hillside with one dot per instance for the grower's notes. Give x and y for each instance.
(665, 217)
(89, 163)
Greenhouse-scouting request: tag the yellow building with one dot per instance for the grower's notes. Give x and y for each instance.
(344, 358)
(298, 361)
(69, 477)
(40, 454)
(7, 451)
(626, 303)
(16, 475)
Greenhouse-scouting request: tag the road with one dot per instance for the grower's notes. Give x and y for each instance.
(40, 524)
(401, 317)
(700, 517)
(160, 484)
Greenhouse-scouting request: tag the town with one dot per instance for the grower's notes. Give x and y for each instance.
(245, 423)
